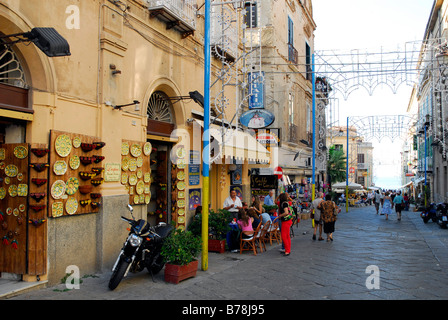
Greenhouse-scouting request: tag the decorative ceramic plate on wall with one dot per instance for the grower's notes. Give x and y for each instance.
(58, 189)
(20, 152)
(71, 206)
(60, 167)
(72, 186)
(63, 145)
(11, 170)
(57, 209)
(124, 149)
(74, 162)
(147, 148)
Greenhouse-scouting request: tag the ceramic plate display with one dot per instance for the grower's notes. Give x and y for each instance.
(72, 186)
(71, 206)
(136, 199)
(57, 209)
(22, 208)
(181, 163)
(15, 212)
(139, 174)
(76, 142)
(60, 168)
(136, 150)
(125, 164)
(132, 165)
(133, 179)
(147, 189)
(181, 219)
(147, 199)
(181, 212)
(181, 227)
(11, 170)
(147, 177)
(20, 152)
(181, 175)
(12, 190)
(181, 185)
(140, 187)
(74, 162)
(124, 178)
(2, 193)
(2, 165)
(22, 190)
(63, 145)
(124, 149)
(181, 194)
(147, 148)
(9, 211)
(58, 189)
(20, 176)
(2, 154)
(181, 203)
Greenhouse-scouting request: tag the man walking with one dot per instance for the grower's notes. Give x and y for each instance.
(377, 201)
(398, 201)
(317, 216)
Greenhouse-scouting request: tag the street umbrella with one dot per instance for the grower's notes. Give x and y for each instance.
(351, 185)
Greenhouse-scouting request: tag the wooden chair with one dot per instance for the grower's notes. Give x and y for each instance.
(247, 244)
(260, 238)
(274, 232)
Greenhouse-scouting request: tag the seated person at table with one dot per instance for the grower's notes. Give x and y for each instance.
(245, 224)
(265, 217)
(256, 219)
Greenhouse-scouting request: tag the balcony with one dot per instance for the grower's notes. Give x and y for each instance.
(293, 55)
(178, 14)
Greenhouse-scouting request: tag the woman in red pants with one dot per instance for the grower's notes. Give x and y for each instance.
(286, 219)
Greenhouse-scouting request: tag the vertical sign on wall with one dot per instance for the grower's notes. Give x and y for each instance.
(256, 90)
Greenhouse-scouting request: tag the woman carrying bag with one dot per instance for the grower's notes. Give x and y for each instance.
(329, 211)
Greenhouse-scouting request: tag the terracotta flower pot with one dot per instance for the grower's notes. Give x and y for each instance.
(175, 273)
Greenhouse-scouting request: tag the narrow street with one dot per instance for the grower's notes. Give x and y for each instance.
(412, 259)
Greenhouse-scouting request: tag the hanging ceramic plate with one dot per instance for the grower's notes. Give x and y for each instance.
(181, 175)
(140, 161)
(76, 142)
(181, 219)
(147, 177)
(147, 148)
(2, 193)
(136, 199)
(60, 168)
(2, 165)
(132, 164)
(20, 176)
(181, 203)
(72, 186)
(181, 195)
(181, 227)
(125, 164)
(57, 209)
(15, 212)
(181, 163)
(22, 190)
(63, 145)
(124, 178)
(2, 154)
(133, 179)
(141, 198)
(22, 208)
(140, 188)
(136, 150)
(58, 189)
(74, 162)
(147, 189)
(181, 212)
(20, 152)
(147, 199)
(71, 206)
(12, 190)
(9, 211)
(181, 185)
(124, 149)
(180, 152)
(11, 170)
(139, 174)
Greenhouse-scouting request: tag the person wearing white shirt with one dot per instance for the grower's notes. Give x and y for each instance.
(233, 204)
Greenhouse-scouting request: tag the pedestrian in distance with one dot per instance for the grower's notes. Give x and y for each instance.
(329, 211)
(399, 204)
(269, 199)
(377, 201)
(387, 205)
(285, 217)
(317, 216)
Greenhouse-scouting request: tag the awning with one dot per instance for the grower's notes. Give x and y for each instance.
(236, 144)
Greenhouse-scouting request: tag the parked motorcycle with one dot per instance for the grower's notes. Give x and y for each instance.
(141, 249)
(429, 212)
(442, 215)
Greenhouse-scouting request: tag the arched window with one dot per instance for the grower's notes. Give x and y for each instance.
(160, 114)
(11, 71)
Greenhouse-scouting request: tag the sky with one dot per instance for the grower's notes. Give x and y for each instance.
(372, 25)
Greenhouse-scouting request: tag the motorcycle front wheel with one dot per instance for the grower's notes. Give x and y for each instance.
(118, 274)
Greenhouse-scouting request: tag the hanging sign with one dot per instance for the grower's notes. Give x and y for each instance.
(257, 119)
(256, 90)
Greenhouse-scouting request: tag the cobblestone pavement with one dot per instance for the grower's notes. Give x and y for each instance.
(411, 257)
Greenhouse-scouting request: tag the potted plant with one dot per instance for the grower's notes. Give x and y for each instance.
(180, 250)
(218, 223)
(219, 227)
(270, 209)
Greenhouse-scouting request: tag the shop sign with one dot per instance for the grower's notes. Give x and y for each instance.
(237, 175)
(194, 198)
(112, 172)
(268, 139)
(257, 119)
(263, 182)
(194, 168)
(256, 90)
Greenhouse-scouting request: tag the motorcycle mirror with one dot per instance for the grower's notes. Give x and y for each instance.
(131, 209)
